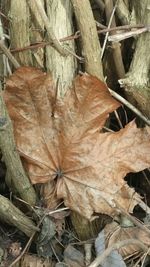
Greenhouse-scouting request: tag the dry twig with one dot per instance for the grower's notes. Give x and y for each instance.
(130, 106)
(109, 25)
(8, 54)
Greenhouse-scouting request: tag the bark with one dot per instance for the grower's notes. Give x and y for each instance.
(19, 30)
(36, 35)
(90, 42)
(62, 68)
(137, 81)
(12, 160)
(12, 215)
(123, 12)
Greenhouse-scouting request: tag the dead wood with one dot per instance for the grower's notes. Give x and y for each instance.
(12, 215)
(62, 68)
(92, 54)
(19, 30)
(12, 160)
(137, 81)
(116, 46)
(50, 34)
(123, 12)
(90, 43)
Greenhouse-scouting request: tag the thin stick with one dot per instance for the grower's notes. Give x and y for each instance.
(118, 119)
(121, 28)
(145, 255)
(75, 36)
(51, 36)
(56, 211)
(116, 47)
(109, 25)
(125, 35)
(130, 106)
(100, 258)
(27, 244)
(9, 55)
(108, 130)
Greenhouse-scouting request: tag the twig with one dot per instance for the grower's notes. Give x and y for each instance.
(32, 236)
(100, 258)
(139, 260)
(9, 55)
(118, 119)
(130, 106)
(121, 28)
(76, 36)
(55, 211)
(4, 16)
(109, 25)
(107, 129)
(144, 258)
(55, 254)
(51, 36)
(122, 36)
(28, 244)
(116, 47)
(146, 178)
(12, 215)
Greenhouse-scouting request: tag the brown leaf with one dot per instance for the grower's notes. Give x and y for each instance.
(34, 261)
(115, 233)
(61, 141)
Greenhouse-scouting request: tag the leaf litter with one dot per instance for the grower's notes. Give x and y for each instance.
(63, 147)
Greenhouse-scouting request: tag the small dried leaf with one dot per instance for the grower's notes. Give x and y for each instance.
(34, 261)
(61, 143)
(114, 259)
(43, 243)
(73, 257)
(115, 233)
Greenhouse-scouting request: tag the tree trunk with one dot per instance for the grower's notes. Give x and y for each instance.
(62, 68)
(137, 81)
(19, 30)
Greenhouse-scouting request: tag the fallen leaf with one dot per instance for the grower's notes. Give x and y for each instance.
(47, 233)
(34, 261)
(61, 143)
(73, 257)
(115, 233)
(114, 259)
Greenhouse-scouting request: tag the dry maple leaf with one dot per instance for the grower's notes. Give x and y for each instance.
(60, 142)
